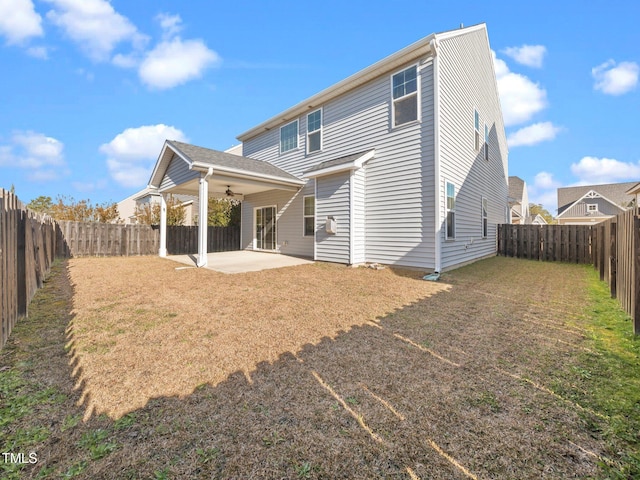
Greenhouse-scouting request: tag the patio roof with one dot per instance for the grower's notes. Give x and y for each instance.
(240, 174)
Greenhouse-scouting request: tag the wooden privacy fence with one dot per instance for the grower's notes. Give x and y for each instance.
(27, 250)
(616, 255)
(551, 243)
(612, 246)
(80, 239)
(183, 240)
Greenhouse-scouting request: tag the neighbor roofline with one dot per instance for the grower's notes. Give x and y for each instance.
(582, 197)
(416, 50)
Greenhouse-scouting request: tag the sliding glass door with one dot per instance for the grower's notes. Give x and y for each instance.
(265, 228)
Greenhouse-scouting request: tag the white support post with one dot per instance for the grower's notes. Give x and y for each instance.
(203, 215)
(163, 226)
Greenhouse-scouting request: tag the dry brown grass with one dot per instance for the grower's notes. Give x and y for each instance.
(322, 371)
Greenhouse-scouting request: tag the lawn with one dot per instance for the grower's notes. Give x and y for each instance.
(129, 368)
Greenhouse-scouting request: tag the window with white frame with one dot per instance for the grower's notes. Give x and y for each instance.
(314, 131)
(405, 96)
(451, 210)
(486, 142)
(476, 130)
(592, 207)
(289, 137)
(309, 215)
(485, 217)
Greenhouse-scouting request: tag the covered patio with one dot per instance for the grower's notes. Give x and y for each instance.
(191, 170)
(241, 261)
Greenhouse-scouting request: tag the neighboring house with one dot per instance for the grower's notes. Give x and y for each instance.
(589, 204)
(127, 207)
(519, 211)
(518, 200)
(402, 163)
(536, 219)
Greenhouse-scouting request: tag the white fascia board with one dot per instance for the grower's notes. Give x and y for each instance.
(355, 165)
(245, 174)
(161, 165)
(416, 50)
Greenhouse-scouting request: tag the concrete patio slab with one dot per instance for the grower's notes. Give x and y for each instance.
(242, 261)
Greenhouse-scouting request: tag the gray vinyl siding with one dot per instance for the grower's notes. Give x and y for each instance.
(290, 237)
(332, 199)
(358, 236)
(177, 173)
(580, 209)
(467, 82)
(399, 199)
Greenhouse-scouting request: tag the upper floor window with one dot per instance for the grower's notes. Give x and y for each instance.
(314, 131)
(405, 96)
(592, 207)
(289, 137)
(476, 130)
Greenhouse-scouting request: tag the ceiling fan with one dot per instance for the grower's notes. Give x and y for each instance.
(231, 193)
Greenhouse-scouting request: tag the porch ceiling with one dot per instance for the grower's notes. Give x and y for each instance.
(218, 185)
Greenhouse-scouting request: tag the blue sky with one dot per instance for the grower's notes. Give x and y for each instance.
(91, 88)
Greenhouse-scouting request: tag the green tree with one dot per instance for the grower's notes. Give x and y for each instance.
(223, 212)
(41, 204)
(67, 208)
(538, 209)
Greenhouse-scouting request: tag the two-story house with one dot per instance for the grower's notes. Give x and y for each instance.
(403, 163)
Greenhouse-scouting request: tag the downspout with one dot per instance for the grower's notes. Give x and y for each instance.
(436, 157)
(163, 226)
(203, 215)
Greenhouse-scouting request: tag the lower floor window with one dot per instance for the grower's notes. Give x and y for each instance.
(485, 219)
(309, 215)
(451, 211)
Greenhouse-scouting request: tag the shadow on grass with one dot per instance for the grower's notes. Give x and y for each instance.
(447, 387)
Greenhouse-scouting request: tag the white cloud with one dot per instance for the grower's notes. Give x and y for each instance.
(545, 181)
(41, 155)
(132, 153)
(170, 24)
(172, 63)
(615, 80)
(593, 170)
(95, 26)
(19, 21)
(529, 55)
(543, 191)
(533, 134)
(38, 52)
(520, 98)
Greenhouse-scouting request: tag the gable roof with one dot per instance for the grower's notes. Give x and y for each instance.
(516, 189)
(590, 194)
(615, 193)
(422, 47)
(200, 158)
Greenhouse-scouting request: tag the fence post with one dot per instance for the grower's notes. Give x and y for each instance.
(636, 275)
(613, 259)
(21, 251)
